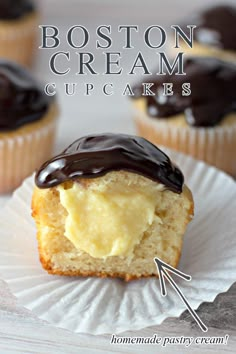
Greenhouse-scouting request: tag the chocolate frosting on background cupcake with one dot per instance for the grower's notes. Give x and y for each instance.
(15, 9)
(22, 100)
(216, 27)
(212, 96)
(28, 120)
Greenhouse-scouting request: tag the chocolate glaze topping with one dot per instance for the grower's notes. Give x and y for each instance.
(94, 156)
(212, 96)
(216, 27)
(14, 9)
(21, 98)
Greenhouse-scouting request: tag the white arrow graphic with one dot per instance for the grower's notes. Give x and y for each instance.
(162, 268)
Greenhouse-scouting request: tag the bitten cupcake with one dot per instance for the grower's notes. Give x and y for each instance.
(202, 124)
(215, 34)
(109, 204)
(27, 125)
(18, 30)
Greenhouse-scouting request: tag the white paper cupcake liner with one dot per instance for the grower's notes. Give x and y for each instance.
(216, 146)
(21, 153)
(98, 306)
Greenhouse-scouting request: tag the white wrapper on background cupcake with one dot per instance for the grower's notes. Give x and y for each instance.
(26, 148)
(200, 122)
(215, 145)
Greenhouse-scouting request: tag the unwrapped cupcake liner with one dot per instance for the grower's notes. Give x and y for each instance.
(18, 39)
(21, 154)
(216, 146)
(98, 305)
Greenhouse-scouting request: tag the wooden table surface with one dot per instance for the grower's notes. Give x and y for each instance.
(20, 330)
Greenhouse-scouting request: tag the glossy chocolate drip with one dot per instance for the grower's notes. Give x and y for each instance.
(22, 100)
(216, 27)
(212, 96)
(94, 156)
(15, 9)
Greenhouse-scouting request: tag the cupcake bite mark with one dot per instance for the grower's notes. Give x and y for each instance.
(107, 206)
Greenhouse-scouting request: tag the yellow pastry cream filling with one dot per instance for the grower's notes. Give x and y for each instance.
(109, 221)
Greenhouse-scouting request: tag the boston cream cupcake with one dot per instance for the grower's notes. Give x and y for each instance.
(27, 125)
(202, 124)
(215, 34)
(18, 30)
(107, 205)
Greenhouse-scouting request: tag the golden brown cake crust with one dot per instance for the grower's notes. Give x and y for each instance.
(41, 213)
(47, 265)
(18, 38)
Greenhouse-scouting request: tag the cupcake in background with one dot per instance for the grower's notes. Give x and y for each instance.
(18, 30)
(215, 34)
(27, 125)
(202, 124)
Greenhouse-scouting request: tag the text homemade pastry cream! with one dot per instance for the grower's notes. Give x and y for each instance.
(109, 204)
(107, 223)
